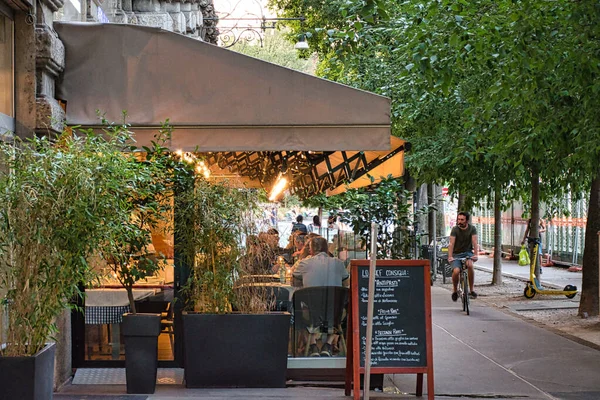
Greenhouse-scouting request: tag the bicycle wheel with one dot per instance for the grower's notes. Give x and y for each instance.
(462, 296)
(466, 292)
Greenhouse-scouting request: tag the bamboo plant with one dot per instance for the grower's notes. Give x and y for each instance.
(58, 205)
(212, 221)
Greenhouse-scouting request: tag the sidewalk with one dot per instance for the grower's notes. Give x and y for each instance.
(552, 277)
(489, 354)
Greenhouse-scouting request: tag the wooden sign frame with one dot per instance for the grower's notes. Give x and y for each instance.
(353, 367)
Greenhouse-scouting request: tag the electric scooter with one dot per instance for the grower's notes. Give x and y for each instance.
(534, 286)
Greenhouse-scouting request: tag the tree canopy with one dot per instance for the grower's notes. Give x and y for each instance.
(494, 95)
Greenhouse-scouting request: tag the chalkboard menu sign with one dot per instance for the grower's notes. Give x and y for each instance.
(398, 317)
(401, 330)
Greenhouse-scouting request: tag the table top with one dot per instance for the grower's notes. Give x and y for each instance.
(114, 297)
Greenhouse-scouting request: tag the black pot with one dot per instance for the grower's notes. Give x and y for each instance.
(28, 378)
(140, 332)
(236, 350)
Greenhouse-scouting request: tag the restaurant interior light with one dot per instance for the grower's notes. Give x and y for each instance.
(278, 187)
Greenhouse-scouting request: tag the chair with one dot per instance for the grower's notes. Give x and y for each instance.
(166, 325)
(320, 309)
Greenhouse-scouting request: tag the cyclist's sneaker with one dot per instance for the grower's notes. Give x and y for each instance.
(454, 296)
(473, 295)
(313, 351)
(326, 350)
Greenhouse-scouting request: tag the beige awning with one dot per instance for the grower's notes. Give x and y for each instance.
(216, 99)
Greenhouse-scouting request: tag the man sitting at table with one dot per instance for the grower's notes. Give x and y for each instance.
(321, 270)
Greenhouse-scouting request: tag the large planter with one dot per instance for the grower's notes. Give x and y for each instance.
(236, 350)
(28, 378)
(140, 332)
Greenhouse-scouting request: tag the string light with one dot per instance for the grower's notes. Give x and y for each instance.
(200, 166)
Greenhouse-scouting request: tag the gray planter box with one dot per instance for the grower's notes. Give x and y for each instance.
(236, 350)
(28, 378)
(141, 351)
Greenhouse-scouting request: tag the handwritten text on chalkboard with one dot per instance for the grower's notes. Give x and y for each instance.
(399, 338)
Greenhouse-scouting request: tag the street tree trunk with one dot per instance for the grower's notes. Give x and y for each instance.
(462, 199)
(535, 216)
(431, 215)
(497, 275)
(591, 256)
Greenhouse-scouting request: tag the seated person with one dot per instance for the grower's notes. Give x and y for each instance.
(299, 245)
(321, 270)
(258, 258)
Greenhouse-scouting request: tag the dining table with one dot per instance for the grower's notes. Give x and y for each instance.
(107, 306)
(283, 293)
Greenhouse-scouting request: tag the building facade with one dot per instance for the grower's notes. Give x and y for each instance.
(32, 58)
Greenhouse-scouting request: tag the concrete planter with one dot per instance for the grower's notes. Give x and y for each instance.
(236, 350)
(28, 378)
(141, 351)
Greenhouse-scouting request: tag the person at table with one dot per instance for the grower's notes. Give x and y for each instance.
(321, 270)
(258, 258)
(299, 244)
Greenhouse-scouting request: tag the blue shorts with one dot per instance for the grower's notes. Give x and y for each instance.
(456, 263)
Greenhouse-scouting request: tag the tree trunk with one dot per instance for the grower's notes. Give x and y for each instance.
(462, 199)
(591, 256)
(440, 220)
(497, 275)
(431, 220)
(535, 217)
(431, 214)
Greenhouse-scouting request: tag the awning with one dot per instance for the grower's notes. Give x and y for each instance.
(216, 99)
(248, 118)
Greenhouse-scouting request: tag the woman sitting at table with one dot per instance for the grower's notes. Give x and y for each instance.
(258, 258)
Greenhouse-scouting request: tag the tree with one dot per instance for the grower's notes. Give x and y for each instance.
(277, 50)
(514, 83)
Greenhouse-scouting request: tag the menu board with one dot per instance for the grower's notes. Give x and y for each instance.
(398, 317)
(401, 329)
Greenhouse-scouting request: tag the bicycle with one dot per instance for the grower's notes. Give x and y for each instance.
(463, 283)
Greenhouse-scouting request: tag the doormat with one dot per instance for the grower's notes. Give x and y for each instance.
(116, 376)
(99, 397)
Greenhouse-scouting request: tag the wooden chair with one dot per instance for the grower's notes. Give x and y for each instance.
(166, 325)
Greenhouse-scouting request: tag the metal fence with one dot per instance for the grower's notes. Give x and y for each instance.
(564, 237)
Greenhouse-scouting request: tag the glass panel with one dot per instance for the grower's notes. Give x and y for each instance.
(7, 79)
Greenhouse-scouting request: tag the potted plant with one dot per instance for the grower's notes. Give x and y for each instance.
(57, 198)
(131, 257)
(223, 348)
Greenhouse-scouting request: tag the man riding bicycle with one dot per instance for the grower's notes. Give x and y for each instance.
(463, 244)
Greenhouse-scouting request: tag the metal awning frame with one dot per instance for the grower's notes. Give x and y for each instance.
(300, 167)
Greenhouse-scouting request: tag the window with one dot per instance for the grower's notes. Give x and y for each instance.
(7, 75)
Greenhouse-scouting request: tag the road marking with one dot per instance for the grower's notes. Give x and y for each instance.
(548, 395)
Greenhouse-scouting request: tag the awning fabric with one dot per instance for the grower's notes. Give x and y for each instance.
(216, 100)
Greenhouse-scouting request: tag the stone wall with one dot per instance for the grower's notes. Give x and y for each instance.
(184, 17)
